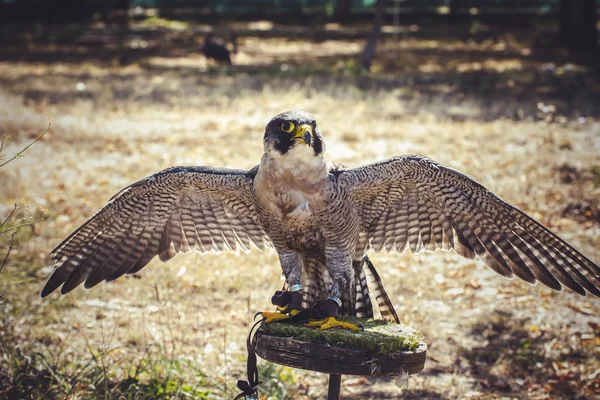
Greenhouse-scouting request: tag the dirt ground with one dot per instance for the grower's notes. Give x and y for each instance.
(520, 118)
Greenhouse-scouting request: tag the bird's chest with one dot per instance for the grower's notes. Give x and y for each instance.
(293, 209)
(292, 214)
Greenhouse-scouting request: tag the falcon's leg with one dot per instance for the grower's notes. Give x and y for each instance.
(288, 306)
(323, 313)
(289, 303)
(339, 266)
(292, 269)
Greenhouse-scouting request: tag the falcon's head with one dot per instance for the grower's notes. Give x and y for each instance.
(293, 132)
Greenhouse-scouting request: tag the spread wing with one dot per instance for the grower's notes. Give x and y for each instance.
(180, 209)
(414, 203)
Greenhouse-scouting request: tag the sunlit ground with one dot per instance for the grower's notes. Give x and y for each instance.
(525, 127)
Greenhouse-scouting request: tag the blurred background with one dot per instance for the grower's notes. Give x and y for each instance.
(507, 91)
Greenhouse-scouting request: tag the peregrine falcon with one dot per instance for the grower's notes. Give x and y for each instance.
(321, 218)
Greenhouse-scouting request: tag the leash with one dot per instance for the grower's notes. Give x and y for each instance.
(285, 301)
(249, 387)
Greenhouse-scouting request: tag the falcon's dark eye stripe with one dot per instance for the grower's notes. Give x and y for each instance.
(287, 127)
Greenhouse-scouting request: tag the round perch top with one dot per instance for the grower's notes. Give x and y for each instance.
(383, 348)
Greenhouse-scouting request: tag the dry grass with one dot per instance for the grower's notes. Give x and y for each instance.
(177, 330)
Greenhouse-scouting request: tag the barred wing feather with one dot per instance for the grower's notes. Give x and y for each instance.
(414, 203)
(178, 210)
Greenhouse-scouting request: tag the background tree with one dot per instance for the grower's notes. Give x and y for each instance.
(578, 23)
(453, 7)
(369, 53)
(342, 10)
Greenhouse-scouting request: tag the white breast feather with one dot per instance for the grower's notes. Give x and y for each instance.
(299, 160)
(291, 173)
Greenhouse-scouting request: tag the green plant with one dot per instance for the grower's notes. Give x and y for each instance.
(9, 225)
(279, 382)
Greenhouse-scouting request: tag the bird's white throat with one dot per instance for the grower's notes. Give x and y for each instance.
(299, 162)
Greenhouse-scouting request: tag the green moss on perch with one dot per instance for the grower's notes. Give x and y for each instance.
(382, 349)
(379, 336)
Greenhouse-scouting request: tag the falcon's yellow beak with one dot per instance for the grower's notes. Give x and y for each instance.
(303, 134)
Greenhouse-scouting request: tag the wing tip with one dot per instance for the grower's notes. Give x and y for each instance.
(579, 290)
(595, 291)
(88, 284)
(595, 294)
(583, 292)
(46, 291)
(64, 289)
(53, 283)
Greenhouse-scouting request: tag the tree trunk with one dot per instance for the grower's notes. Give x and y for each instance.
(369, 52)
(342, 10)
(453, 8)
(578, 23)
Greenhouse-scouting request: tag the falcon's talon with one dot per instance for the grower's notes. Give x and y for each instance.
(270, 317)
(277, 316)
(331, 322)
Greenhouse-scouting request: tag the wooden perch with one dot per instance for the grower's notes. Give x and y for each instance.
(383, 349)
(338, 360)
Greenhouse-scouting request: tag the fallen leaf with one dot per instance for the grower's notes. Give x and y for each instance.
(584, 310)
(473, 283)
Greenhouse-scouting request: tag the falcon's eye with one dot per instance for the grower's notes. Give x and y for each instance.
(287, 127)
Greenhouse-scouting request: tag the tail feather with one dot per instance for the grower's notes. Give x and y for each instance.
(363, 308)
(383, 301)
(316, 281)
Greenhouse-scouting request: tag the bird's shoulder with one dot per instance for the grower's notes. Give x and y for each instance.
(392, 165)
(178, 177)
